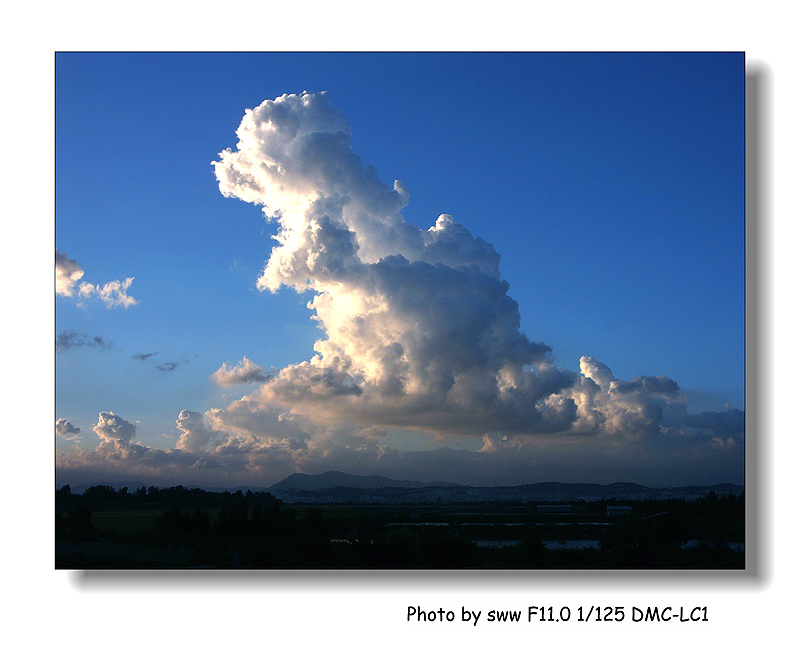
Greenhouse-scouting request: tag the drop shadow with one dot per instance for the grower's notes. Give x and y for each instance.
(759, 436)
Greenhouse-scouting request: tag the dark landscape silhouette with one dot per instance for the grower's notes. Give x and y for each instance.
(377, 523)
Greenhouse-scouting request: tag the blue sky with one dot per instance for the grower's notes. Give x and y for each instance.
(610, 185)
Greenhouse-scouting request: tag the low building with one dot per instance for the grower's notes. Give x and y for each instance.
(618, 510)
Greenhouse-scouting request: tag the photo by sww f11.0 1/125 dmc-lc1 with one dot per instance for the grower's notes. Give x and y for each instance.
(364, 312)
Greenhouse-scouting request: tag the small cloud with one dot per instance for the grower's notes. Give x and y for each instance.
(69, 272)
(113, 294)
(143, 356)
(245, 372)
(66, 430)
(69, 339)
(170, 365)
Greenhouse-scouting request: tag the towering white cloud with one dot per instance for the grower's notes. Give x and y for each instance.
(420, 328)
(421, 331)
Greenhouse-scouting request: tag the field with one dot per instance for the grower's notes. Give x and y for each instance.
(182, 528)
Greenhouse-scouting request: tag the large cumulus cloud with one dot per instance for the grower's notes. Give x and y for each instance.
(420, 329)
(417, 322)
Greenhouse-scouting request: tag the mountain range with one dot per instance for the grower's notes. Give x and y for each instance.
(335, 487)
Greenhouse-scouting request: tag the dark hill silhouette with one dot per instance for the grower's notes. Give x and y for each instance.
(335, 486)
(334, 479)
